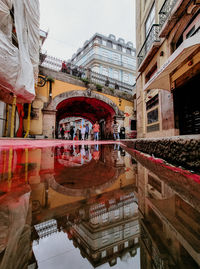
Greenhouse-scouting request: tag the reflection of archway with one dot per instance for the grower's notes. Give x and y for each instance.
(88, 190)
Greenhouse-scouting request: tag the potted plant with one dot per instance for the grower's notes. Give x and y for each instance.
(99, 87)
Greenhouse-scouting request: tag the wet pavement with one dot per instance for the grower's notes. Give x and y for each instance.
(97, 205)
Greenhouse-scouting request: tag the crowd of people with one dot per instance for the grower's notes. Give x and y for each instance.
(84, 132)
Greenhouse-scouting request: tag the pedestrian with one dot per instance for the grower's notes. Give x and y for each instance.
(62, 132)
(116, 86)
(64, 67)
(87, 129)
(71, 132)
(96, 129)
(67, 130)
(83, 130)
(107, 82)
(116, 130)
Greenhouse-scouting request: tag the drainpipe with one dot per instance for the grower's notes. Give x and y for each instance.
(7, 120)
(13, 117)
(28, 121)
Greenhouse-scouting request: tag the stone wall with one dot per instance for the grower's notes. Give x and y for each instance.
(178, 150)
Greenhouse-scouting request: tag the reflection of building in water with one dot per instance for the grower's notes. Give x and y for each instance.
(46, 228)
(169, 224)
(109, 229)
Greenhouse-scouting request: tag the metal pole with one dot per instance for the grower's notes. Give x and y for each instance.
(28, 121)
(13, 117)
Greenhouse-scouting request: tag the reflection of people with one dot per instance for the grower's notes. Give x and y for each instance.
(116, 130)
(96, 153)
(96, 128)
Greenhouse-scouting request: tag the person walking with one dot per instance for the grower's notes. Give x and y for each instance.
(72, 132)
(83, 130)
(96, 129)
(86, 131)
(62, 132)
(116, 130)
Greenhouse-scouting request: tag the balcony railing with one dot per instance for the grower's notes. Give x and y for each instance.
(108, 60)
(165, 11)
(153, 36)
(80, 72)
(113, 83)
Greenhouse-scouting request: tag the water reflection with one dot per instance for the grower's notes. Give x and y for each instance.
(83, 193)
(61, 205)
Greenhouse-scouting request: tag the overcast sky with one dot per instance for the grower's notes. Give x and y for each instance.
(72, 22)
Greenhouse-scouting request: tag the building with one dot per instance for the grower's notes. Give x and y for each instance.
(168, 67)
(19, 59)
(109, 57)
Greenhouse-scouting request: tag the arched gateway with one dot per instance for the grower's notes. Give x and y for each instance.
(87, 104)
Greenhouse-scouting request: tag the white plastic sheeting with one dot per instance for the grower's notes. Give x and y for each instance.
(19, 66)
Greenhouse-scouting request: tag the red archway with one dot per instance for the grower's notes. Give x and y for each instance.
(90, 108)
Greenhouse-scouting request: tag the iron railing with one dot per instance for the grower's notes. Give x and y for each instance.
(80, 72)
(153, 36)
(113, 83)
(165, 11)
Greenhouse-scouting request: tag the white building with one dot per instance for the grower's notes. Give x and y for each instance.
(109, 57)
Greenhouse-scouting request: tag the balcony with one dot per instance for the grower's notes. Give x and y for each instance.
(149, 47)
(170, 13)
(165, 11)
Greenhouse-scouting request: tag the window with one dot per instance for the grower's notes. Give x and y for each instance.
(115, 249)
(109, 44)
(116, 213)
(105, 217)
(104, 42)
(115, 56)
(152, 116)
(119, 47)
(150, 20)
(125, 78)
(128, 51)
(116, 74)
(126, 244)
(104, 53)
(103, 254)
(133, 125)
(153, 102)
(125, 60)
(105, 71)
(95, 69)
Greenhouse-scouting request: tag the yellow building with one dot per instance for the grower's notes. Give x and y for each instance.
(168, 58)
(62, 96)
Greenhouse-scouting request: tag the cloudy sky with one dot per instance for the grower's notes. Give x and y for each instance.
(71, 23)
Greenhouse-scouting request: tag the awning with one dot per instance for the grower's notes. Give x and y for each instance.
(161, 79)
